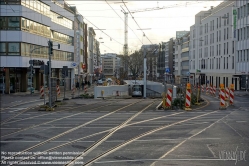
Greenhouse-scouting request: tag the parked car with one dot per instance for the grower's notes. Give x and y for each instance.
(109, 80)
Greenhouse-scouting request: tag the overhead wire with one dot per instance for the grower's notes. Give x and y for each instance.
(136, 21)
(123, 20)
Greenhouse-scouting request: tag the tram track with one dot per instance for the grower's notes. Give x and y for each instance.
(95, 134)
(72, 129)
(31, 127)
(51, 113)
(111, 150)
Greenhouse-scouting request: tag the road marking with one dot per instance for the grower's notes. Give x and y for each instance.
(136, 160)
(241, 121)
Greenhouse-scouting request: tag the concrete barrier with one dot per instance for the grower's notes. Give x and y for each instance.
(109, 91)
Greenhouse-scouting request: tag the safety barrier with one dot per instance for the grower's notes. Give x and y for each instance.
(41, 92)
(222, 97)
(169, 98)
(231, 94)
(58, 90)
(202, 88)
(214, 90)
(207, 89)
(227, 93)
(188, 97)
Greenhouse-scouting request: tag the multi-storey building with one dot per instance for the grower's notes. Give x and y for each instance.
(25, 28)
(90, 59)
(169, 63)
(152, 52)
(181, 56)
(242, 36)
(78, 45)
(110, 65)
(212, 51)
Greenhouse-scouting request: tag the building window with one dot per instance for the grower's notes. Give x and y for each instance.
(244, 33)
(233, 48)
(227, 19)
(238, 34)
(227, 47)
(220, 21)
(224, 48)
(227, 62)
(217, 22)
(232, 62)
(219, 35)
(219, 48)
(238, 13)
(225, 34)
(219, 63)
(13, 48)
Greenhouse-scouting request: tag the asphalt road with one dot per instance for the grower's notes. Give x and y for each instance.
(125, 132)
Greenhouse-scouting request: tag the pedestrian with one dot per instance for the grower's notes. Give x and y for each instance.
(77, 85)
(82, 84)
(88, 83)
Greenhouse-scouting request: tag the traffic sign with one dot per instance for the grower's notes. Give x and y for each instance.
(167, 70)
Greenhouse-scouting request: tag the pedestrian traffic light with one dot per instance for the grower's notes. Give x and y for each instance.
(50, 47)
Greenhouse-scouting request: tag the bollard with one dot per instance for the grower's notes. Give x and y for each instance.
(42, 93)
(58, 90)
(214, 91)
(207, 90)
(222, 97)
(169, 98)
(188, 97)
(198, 96)
(227, 93)
(231, 94)
(102, 94)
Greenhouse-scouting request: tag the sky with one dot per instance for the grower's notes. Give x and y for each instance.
(157, 25)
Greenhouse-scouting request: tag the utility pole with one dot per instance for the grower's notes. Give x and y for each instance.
(145, 73)
(125, 49)
(50, 53)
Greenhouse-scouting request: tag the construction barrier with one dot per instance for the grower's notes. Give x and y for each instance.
(198, 96)
(207, 89)
(211, 90)
(231, 94)
(169, 98)
(227, 93)
(58, 90)
(188, 97)
(41, 92)
(202, 88)
(214, 90)
(73, 90)
(222, 97)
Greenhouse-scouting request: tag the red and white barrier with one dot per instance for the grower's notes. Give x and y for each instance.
(214, 90)
(222, 98)
(227, 93)
(41, 92)
(73, 90)
(202, 88)
(58, 90)
(188, 98)
(231, 96)
(169, 98)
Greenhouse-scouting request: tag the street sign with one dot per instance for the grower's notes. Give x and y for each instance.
(167, 70)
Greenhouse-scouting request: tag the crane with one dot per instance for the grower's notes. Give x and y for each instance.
(125, 48)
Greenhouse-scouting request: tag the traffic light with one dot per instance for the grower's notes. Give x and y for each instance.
(50, 47)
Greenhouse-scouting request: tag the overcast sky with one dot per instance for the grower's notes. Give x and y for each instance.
(163, 24)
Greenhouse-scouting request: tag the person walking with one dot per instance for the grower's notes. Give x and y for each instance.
(77, 85)
(82, 84)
